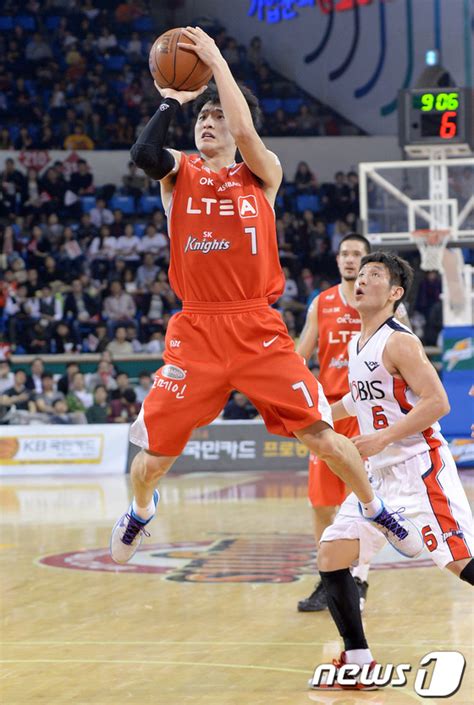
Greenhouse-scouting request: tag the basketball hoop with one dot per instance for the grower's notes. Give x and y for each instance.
(431, 244)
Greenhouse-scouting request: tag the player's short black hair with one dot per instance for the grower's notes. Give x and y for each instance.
(400, 271)
(356, 236)
(211, 95)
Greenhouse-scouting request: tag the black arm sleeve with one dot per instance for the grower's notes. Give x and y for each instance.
(148, 152)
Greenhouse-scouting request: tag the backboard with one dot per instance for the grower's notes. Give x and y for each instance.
(401, 200)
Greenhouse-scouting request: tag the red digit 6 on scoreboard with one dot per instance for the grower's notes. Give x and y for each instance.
(448, 127)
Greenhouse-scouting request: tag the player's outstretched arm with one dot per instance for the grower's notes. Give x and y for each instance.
(149, 152)
(404, 357)
(258, 158)
(309, 335)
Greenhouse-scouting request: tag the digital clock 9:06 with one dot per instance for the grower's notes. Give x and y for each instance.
(438, 102)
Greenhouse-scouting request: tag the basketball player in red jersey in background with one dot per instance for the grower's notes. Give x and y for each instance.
(224, 267)
(331, 322)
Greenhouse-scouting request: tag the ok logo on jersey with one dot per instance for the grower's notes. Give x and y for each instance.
(248, 206)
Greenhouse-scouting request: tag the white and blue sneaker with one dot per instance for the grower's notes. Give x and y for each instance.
(399, 531)
(128, 532)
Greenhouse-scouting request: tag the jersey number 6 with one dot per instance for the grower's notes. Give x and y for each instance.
(379, 418)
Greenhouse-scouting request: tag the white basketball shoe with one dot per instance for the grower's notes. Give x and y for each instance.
(128, 532)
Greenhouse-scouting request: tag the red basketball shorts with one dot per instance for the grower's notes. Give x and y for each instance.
(212, 349)
(325, 489)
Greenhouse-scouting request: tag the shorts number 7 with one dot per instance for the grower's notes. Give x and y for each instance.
(301, 385)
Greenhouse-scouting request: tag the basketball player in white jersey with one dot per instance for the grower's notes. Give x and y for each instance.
(398, 398)
(331, 321)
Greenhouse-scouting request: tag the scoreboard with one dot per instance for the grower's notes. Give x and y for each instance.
(436, 117)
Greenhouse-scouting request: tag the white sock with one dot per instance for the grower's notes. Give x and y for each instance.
(359, 656)
(370, 509)
(361, 571)
(144, 513)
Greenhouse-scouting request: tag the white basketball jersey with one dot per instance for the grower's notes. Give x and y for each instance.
(379, 399)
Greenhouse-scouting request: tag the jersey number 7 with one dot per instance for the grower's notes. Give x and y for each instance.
(253, 238)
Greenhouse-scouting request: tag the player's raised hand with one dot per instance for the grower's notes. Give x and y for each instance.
(181, 96)
(204, 46)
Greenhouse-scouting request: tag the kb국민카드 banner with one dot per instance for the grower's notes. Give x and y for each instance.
(70, 450)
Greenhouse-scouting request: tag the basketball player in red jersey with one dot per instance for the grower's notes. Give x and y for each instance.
(331, 322)
(224, 267)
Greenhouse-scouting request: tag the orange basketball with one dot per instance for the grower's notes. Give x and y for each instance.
(173, 67)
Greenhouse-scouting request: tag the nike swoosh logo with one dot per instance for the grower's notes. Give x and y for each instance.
(267, 343)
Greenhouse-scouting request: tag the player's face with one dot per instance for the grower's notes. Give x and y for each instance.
(349, 257)
(373, 290)
(211, 133)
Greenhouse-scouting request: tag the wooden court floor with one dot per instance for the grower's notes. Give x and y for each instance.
(206, 613)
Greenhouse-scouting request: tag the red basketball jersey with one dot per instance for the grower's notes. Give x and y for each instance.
(337, 324)
(223, 237)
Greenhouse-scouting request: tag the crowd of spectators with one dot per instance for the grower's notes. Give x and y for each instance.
(79, 278)
(84, 268)
(74, 75)
(96, 281)
(106, 395)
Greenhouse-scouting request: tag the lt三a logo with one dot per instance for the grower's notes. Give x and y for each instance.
(440, 681)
